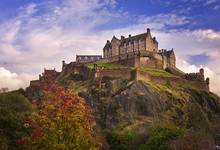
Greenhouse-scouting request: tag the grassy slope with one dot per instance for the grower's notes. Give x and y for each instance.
(157, 72)
(107, 65)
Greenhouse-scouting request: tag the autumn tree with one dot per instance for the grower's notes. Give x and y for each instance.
(62, 120)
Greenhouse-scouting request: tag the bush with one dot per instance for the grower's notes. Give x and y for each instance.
(193, 141)
(13, 108)
(15, 102)
(119, 141)
(160, 136)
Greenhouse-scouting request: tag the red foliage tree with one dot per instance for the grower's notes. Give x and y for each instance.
(62, 120)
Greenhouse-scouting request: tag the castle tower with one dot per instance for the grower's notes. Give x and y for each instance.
(201, 71)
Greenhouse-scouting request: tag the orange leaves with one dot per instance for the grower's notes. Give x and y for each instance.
(62, 119)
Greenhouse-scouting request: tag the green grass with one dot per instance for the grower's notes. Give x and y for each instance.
(106, 65)
(157, 72)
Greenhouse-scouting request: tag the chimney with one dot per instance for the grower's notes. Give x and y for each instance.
(148, 30)
(129, 35)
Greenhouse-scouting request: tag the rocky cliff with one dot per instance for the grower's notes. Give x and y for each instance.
(133, 107)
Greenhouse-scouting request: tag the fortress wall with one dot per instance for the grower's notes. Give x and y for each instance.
(148, 62)
(122, 49)
(140, 75)
(122, 73)
(130, 47)
(136, 46)
(132, 60)
(157, 56)
(150, 44)
(142, 45)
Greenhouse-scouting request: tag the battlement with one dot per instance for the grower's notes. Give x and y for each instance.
(48, 73)
(198, 76)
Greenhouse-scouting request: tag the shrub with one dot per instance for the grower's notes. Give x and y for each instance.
(193, 141)
(160, 136)
(15, 102)
(13, 108)
(119, 141)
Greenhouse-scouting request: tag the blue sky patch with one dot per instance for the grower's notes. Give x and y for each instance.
(201, 59)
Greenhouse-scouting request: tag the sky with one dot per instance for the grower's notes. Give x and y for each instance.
(38, 34)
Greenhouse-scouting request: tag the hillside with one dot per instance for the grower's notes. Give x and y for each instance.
(132, 108)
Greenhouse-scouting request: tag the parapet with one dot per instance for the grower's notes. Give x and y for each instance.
(198, 76)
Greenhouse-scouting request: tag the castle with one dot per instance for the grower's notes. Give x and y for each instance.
(132, 55)
(136, 51)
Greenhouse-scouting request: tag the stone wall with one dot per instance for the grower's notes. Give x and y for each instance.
(115, 43)
(150, 43)
(137, 59)
(202, 85)
(122, 73)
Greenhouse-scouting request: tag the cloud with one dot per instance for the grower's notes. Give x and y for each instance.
(12, 80)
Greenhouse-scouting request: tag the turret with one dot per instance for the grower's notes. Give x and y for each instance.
(201, 71)
(207, 81)
(63, 64)
(40, 77)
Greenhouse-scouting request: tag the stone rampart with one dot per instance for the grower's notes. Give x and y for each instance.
(175, 80)
(123, 73)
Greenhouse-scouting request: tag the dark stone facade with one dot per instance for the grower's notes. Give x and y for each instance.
(143, 46)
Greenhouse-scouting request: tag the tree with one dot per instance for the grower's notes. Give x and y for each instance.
(62, 120)
(13, 109)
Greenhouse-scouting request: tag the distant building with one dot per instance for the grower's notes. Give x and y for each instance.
(87, 58)
(4, 90)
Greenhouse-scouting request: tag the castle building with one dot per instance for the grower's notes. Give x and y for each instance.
(138, 51)
(138, 43)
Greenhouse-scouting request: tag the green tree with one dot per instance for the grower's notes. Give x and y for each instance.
(13, 109)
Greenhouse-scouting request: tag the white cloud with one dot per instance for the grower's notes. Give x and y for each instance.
(12, 80)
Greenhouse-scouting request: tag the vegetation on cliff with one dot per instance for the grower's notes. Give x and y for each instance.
(135, 107)
(157, 72)
(106, 65)
(62, 120)
(130, 115)
(14, 108)
(59, 120)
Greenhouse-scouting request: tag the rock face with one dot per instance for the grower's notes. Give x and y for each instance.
(144, 103)
(123, 105)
